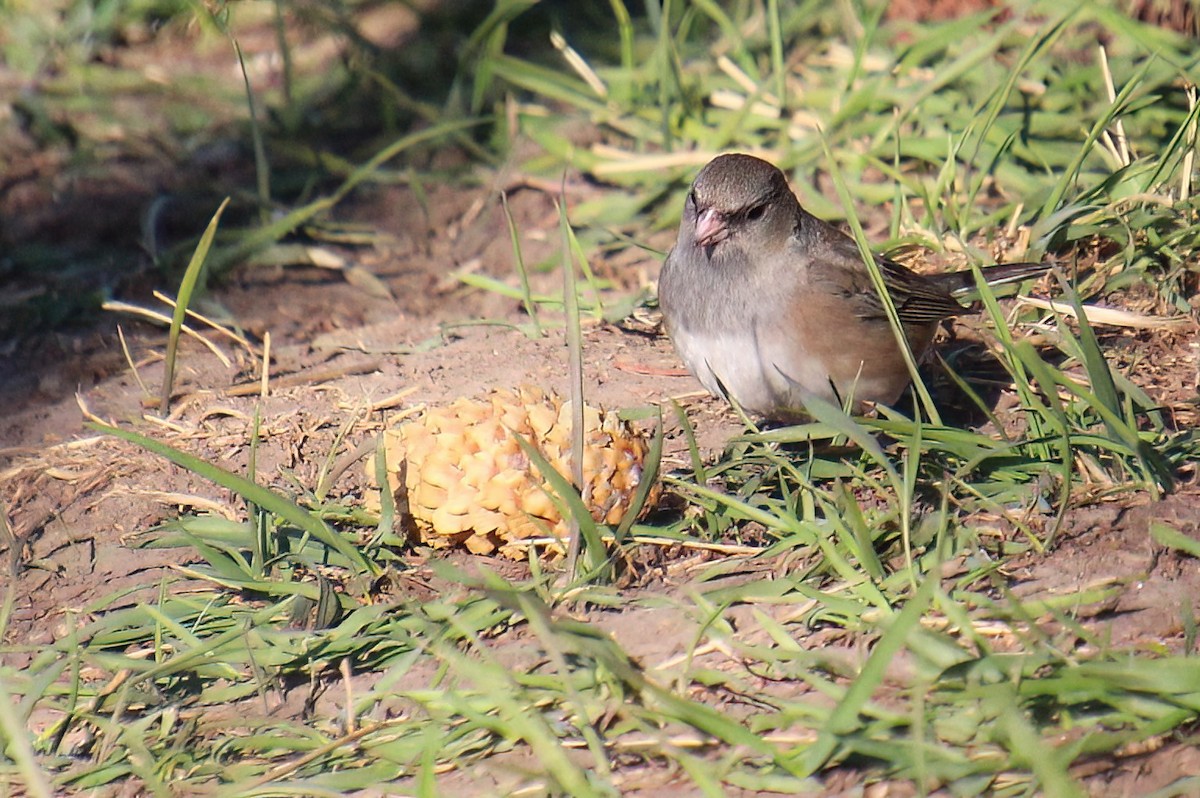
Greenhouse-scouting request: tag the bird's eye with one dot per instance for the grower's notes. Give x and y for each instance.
(756, 212)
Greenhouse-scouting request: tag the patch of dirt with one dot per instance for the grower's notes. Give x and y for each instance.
(72, 499)
(1111, 545)
(75, 500)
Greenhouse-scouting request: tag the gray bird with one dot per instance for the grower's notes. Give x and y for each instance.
(768, 305)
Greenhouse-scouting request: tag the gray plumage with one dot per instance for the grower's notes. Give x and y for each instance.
(769, 305)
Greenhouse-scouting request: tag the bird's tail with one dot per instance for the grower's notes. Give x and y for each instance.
(963, 282)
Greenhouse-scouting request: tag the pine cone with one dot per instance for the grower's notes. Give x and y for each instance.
(460, 477)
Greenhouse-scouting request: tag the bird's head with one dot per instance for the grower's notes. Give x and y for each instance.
(740, 197)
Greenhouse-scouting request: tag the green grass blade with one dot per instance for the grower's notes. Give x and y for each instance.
(251, 492)
(190, 277)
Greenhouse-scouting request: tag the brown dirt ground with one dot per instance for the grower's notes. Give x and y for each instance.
(73, 500)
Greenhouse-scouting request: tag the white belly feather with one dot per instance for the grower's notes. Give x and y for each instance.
(758, 379)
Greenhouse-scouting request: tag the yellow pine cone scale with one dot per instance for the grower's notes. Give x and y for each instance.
(459, 476)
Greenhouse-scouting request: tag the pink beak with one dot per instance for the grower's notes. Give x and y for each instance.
(711, 228)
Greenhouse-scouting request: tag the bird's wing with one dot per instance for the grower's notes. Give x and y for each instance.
(918, 300)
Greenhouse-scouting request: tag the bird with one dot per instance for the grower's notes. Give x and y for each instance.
(769, 306)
